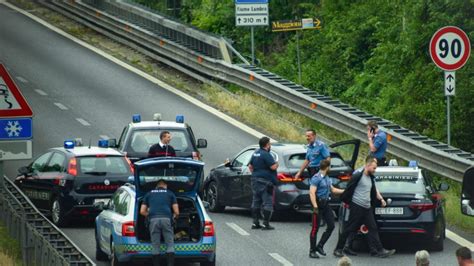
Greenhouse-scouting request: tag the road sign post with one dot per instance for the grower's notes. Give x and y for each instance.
(450, 49)
(251, 13)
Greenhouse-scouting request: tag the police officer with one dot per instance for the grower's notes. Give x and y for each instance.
(157, 206)
(377, 142)
(264, 177)
(316, 152)
(320, 194)
(361, 194)
(163, 148)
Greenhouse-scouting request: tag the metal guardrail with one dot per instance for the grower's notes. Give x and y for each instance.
(41, 242)
(187, 50)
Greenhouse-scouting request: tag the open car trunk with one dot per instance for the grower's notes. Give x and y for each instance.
(187, 227)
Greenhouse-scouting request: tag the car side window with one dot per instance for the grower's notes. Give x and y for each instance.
(124, 201)
(39, 165)
(56, 163)
(243, 158)
(115, 200)
(121, 143)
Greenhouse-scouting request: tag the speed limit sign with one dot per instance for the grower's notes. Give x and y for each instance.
(450, 48)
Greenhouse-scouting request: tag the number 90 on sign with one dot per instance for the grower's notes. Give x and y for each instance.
(450, 48)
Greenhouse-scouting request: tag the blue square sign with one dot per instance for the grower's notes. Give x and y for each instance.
(16, 128)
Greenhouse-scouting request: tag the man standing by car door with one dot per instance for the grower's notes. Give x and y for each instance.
(157, 205)
(315, 153)
(361, 195)
(264, 177)
(377, 142)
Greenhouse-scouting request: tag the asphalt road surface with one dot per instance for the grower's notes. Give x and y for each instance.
(76, 93)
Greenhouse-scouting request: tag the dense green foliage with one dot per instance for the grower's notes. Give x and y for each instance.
(371, 54)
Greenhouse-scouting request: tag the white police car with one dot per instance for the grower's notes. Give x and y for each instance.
(138, 136)
(121, 233)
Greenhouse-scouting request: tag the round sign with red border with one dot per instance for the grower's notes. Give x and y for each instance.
(450, 48)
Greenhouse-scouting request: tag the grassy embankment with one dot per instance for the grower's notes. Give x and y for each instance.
(272, 119)
(10, 252)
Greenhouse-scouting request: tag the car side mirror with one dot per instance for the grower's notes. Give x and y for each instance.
(100, 206)
(23, 170)
(227, 163)
(443, 187)
(206, 204)
(112, 143)
(202, 143)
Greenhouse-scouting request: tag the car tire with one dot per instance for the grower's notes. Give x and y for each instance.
(209, 263)
(438, 245)
(113, 256)
(57, 213)
(212, 196)
(99, 254)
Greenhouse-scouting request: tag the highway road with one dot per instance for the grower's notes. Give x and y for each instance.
(77, 93)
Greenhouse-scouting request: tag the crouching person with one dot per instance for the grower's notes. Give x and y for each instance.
(157, 206)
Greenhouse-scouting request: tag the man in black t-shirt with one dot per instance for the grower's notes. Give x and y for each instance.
(157, 206)
(163, 148)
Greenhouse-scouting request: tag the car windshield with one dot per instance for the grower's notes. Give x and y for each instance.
(104, 166)
(409, 183)
(296, 160)
(142, 140)
(180, 177)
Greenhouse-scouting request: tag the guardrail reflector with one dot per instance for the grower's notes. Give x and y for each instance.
(313, 106)
(97, 13)
(389, 137)
(162, 43)
(200, 59)
(251, 77)
(127, 28)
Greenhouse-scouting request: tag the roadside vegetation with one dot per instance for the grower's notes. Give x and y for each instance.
(250, 108)
(10, 252)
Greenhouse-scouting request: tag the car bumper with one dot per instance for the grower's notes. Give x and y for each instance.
(81, 205)
(288, 196)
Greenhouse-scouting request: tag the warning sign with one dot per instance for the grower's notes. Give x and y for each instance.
(12, 102)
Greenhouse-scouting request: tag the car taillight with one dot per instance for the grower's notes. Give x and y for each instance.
(196, 155)
(208, 228)
(132, 169)
(128, 229)
(72, 167)
(345, 177)
(284, 177)
(422, 206)
(59, 181)
(418, 231)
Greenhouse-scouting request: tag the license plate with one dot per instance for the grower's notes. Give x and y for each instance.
(105, 201)
(389, 211)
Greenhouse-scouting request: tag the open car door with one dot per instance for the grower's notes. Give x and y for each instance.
(348, 149)
(467, 195)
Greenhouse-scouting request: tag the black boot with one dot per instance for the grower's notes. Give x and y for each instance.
(256, 217)
(170, 259)
(266, 220)
(156, 260)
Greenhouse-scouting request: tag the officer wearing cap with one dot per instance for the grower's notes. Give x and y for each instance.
(157, 206)
(264, 177)
(315, 153)
(377, 142)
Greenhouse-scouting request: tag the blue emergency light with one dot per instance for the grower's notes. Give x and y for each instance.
(180, 119)
(103, 143)
(69, 144)
(136, 118)
(413, 164)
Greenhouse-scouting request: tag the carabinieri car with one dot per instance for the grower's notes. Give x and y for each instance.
(415, 207)
(65, 182)
(122, 234)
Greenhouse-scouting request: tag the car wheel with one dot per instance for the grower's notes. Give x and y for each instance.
(212, 197)
(113, 256)
(57, 213)
(209, 263)
(438, 245)
(99, 254)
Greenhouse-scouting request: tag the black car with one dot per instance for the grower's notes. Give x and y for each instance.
(415, 208)
(229, 183)
(138, 136)
(65, 182)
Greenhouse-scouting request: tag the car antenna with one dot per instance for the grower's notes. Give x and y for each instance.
(90, 142)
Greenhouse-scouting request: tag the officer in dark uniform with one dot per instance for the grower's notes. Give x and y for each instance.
(157, 206)
(163, 148)
(315, 153)
(264, 178)
(377, 142)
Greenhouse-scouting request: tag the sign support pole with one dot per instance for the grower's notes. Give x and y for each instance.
(2, 185)
(252, 45)
(448, 115)
(298, 55)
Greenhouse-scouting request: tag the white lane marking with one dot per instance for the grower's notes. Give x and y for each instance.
(454, 237)
(238, 229)
(280, 259)
(83, 122)
(22, 79)
(104, 137)
(160, 83)
(40, 92)
(61, 106)
(459, 240)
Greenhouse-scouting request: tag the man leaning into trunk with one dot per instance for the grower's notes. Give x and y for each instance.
(157, 206)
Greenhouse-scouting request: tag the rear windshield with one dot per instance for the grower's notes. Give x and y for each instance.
(399, 183)
(104, 166)
(296, 160)
(142, 140)
(179, 177)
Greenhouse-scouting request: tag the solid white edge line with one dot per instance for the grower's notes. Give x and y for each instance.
(83, 122)
(40, 92)
(22, 79)
(158, 82)
(238, 229)
(280, 259)
(451, 235)
(61, 106)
